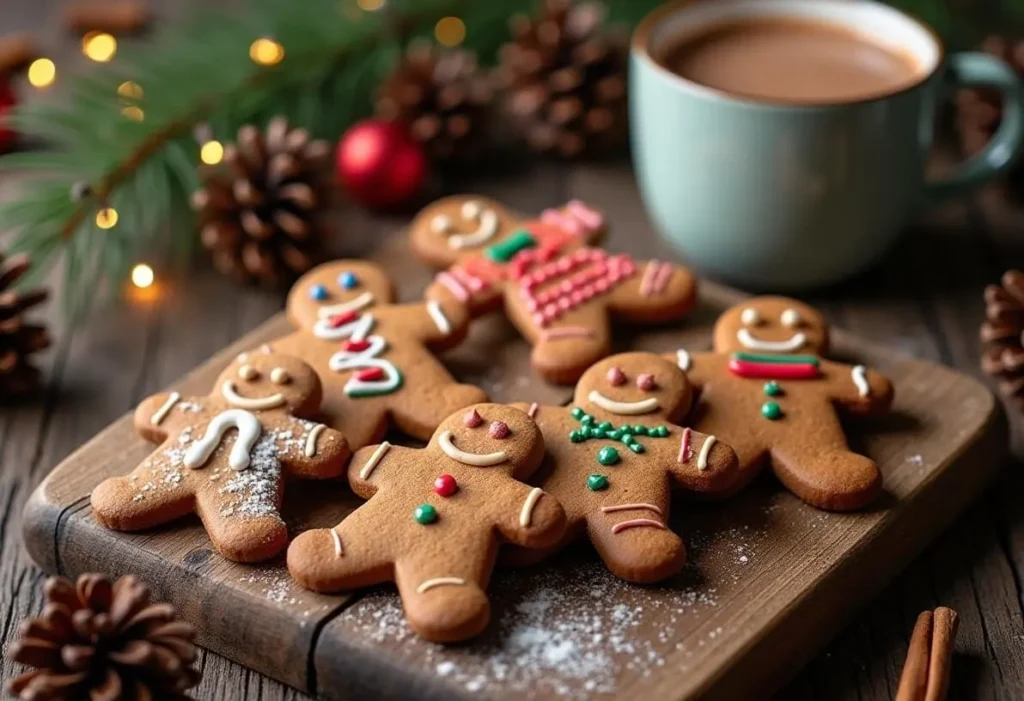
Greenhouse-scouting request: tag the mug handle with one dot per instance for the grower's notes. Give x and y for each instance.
(973, 69)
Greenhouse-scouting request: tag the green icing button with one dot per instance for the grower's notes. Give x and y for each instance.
(425, 513)
(608, 456)
(771, 411)
(772, 389)
(596, 482)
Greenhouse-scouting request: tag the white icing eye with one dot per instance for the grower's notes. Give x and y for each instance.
(248, 372)
(471, 209)
(750, 317)
(441, 224)
(790, 318)
(280, 376)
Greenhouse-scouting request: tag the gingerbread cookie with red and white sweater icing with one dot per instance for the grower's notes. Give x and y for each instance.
(434, 518)
(614, 457)
(766, 390)
(225, 456)
(560, 293)
(376, 358)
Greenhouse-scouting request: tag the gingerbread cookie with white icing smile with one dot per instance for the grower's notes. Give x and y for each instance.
(434, 519)
(376, 358)
(560, 293)
(225, 456)
(614, 456)
(767, 391)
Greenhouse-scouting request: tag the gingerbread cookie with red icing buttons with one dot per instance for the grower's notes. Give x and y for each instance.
(766, 390)
(225, 456)
(560, 293)
(614, 456)
(376, 358)
(434, 518)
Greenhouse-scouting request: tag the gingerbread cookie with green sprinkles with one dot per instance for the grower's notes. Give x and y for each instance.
(614, 456)
(434, 518)
(766, 390)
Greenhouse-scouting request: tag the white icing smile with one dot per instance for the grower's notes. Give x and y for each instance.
(361, 302)
(471, 211)
(643, 406)
(748, 340)
(474, 459)
(235, 399)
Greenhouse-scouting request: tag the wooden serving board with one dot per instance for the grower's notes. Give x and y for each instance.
(769, 581)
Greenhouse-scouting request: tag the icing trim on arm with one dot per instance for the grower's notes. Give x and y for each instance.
(527, 511)
(474, 459)
(683, 359)
(338, 552)
(165, 408)
(438, 317)
(860, 379)
(684, 447)
(314, 433)
(632, 507)
(374, 460)
(439, 582)
(249, 429)
(705, 451)
(637, 523)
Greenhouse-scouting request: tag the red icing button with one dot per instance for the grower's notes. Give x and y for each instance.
(341, 319)
(355, 345)
(370, 375)
(445, 485)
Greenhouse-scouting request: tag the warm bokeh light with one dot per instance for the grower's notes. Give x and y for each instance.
(130, 89)
(266, 52)
(42, 72)
(370, 5)
(142, 276)
(450, 31)
(211, 153)
(99, 46)
(106, 218)
(133, 113)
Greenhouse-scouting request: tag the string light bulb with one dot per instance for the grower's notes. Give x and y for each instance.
(211, 153)
(266, 52)
(99, 46)
(143, 276)
(42, 73)
(450, 31)
(370, 5)
(131, 90)
(106, 218)
(133, 112)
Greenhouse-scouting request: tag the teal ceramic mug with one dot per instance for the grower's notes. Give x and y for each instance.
(793, 196)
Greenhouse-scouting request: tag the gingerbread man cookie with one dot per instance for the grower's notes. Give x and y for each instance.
(434, 519)
(558, 292)
(374, 356)
(225, 456)
(768, 393)
(614, 456)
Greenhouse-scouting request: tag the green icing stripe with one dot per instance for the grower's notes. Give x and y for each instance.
(517, 241)
(788, 359)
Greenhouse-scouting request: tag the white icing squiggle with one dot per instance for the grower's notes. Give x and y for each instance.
(705, 451)
(683, 360)
(643, 406)
(249, 429)
(531, 501)
(439, 582)
(484, 232)
(314, 433)
(474, 459)
(165, 408)
(438, 317)
(860, 378)
(375, 458)
(338, 552)
(352, 305)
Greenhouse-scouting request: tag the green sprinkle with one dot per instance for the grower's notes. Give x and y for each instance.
(771, 411)
(629, 440)
(772, 389)
(517, 241)
(616, 435)
(658, 431)
(639, 430)
(635, 447)
(425, 514)
(596, 482)
(577, 436)
(587, 420)
(608, 456)
(578, 413)
(761, 358)
(605, 425)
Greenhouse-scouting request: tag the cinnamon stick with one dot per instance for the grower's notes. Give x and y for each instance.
(929, 657)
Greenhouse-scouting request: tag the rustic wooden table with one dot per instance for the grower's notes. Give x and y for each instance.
(924, 299)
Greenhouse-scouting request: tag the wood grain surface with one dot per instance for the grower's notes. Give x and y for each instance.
(923, 299)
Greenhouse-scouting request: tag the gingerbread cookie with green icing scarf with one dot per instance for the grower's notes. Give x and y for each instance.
(614, 457)
(434, 518)
(767, 391)
(560, 293)
(376, 358)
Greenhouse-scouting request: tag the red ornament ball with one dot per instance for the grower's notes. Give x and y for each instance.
(445, 485)
(380, 165)
(7, 104)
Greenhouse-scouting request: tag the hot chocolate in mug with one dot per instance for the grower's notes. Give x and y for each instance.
(782, 143)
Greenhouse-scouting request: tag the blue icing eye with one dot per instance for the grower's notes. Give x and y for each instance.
(318, 292)
(347, 280)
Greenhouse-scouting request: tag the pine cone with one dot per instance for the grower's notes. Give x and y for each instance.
(100, 641)
(1001, 335)
(565, 81)
(444, 100)
(258, 214)
(18, 339)
(979, 110)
